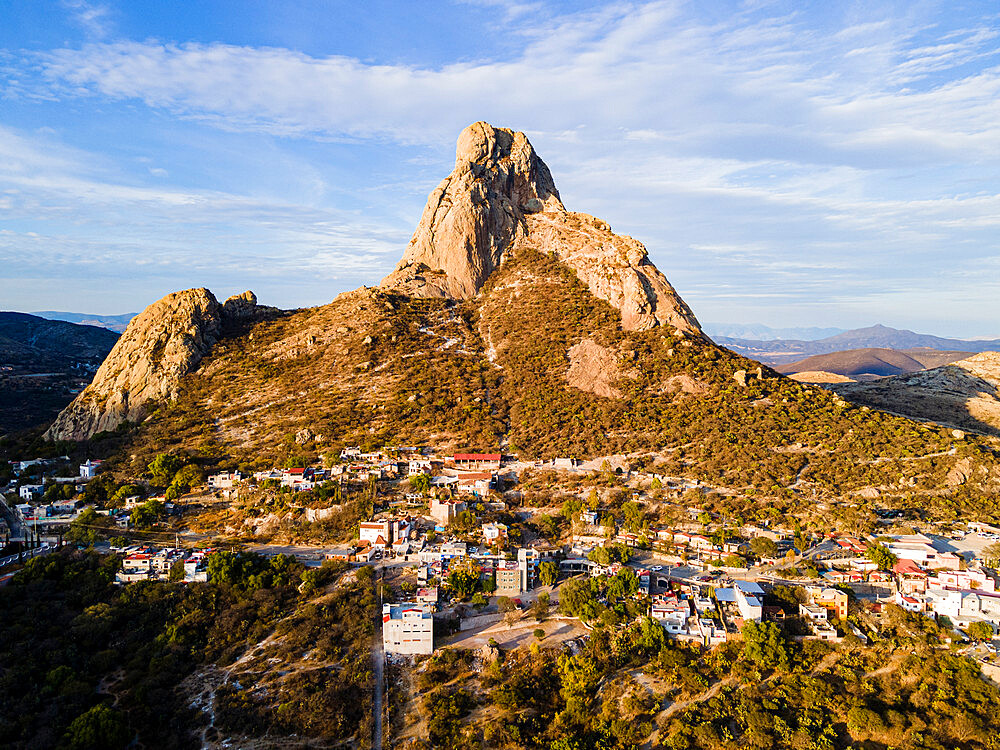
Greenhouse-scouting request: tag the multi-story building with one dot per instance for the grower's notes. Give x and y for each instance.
(444, 511)
(527, 565)
(974, 579)
(508, 577)
(408, 628)
(376, 533)
(88, 470)
(830, 599)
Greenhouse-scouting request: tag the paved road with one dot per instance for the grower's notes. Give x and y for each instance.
(378, 670)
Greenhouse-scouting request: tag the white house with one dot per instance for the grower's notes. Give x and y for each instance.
(28, 491)
(376, 533)
(89, 469)
(408, 628)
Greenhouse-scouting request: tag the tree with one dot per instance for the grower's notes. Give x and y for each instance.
(463, 522)
(508, 609)
(632, 516)
(177, 571)
(733, 561)
(881, 556)
(623, 584)
(540, 609)
(548, 572)
(420, 483)
(539, 633)
(145, 515)
(88, 528)
(123, 493)
(98, 728)
(980, 631)
(188, 476)
(463, 578)
(991, 555)
(600, 555)
(764, 645)
(761, 546)
(163, 468)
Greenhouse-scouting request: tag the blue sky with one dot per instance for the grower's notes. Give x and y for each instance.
(792, 164)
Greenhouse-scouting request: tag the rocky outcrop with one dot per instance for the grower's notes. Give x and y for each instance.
(593, 368)
(160, 345)
(474, 216)
(499, 198)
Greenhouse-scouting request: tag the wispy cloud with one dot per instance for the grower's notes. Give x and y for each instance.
(790, 154)
(93, 18)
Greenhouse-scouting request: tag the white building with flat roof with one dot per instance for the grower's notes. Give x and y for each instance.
(408, 628)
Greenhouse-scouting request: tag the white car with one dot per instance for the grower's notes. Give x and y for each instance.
(656, 567)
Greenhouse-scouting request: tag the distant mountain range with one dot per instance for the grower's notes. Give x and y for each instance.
(783, 351)
(115, 323)
(760, 332)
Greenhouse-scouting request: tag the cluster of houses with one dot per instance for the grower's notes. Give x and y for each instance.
(691, 615)
(942, 583)
(143, 563)
(29, 511)
(468, 474)
(29, 490)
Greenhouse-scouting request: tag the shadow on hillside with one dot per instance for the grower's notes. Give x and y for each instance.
(935, 401)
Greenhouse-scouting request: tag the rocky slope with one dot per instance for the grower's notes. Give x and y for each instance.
(963, 394)
(501, 197)
(159, 346)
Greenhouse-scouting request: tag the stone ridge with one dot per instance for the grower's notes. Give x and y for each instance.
(163, 343)
(501, 196)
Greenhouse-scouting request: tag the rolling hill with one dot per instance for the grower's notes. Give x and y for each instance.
(960, 394)
(869, 364)
(784, 351)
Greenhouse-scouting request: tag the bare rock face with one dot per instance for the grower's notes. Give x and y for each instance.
(593, 368)
(475, 214)
(162, 344)
(501, 197)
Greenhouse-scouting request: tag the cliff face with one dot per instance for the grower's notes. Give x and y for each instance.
(501, 197)
(160, 345)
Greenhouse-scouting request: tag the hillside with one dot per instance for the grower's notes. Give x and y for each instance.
(962, 394)
(783, 351)
(869, 364)
(511, 323)
(856, 363)
(43, 363)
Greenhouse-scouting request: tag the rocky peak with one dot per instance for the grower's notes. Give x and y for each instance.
(163, 343)
(501, 196)
(472, 218)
